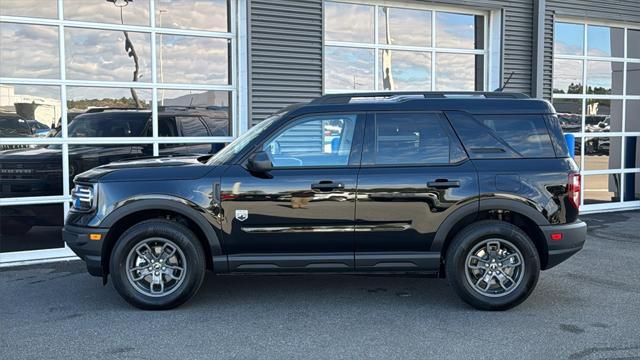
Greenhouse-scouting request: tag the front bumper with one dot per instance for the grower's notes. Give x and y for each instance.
(77, 238)
(572, 241)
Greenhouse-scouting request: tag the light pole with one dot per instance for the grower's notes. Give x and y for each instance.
(131, 51)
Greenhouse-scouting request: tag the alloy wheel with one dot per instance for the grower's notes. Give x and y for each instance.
(494, 267)
(156, 267)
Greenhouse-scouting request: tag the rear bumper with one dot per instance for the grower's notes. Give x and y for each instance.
(77, 238)
(573, 237)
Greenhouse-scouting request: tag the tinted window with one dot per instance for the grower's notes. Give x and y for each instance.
(410, 139)
(315, 141)
(192, 126)
(12, 126)
(108, 124)
(167, 126)
(527, 134)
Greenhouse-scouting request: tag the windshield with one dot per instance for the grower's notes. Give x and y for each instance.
(108, 124)
(13, 126)
(243, 140)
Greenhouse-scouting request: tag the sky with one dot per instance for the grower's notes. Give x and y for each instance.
(409, 27)
(31, 51)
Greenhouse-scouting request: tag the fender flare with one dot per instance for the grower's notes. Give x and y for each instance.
(517, 206)
(176, 205)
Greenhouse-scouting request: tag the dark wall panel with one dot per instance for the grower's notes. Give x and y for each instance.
(285, 49)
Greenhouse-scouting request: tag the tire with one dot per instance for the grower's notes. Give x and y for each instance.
(480, 244)
(180, 249)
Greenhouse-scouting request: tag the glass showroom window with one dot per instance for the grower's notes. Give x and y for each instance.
(596, 72)
(376, 47)
(88, 82)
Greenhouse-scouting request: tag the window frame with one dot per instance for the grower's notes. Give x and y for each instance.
(237, 89)
(584, 97)
(369, 143)
(489, 52)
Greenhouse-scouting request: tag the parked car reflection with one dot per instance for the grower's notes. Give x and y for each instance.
(37, 170)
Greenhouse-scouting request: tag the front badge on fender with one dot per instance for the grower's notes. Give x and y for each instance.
(242, 215)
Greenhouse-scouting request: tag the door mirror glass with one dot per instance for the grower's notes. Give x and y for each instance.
(260, 162)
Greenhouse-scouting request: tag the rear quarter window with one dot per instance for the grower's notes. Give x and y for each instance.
(527, 134)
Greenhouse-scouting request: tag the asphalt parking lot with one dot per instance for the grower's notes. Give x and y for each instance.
(586, 308)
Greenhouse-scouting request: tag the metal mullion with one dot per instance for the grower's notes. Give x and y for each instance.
(199, 33)
(28, 81)
(232, 15)
(154, 77)
(376, 42)
(590, 57)
(234, 81)
(34, 200)
(195, 140)
(591, 96)
(174, 86)
(604, 134)
(114, 84)
(415, 6)
(109, 140)
(31, 21)
(601, 172)
(433, 51)
(66, 182)
(584, 109)
(606, 207)
(114, 27)
(32, 141)
(487, 46)
(461, 51)
(241, 97)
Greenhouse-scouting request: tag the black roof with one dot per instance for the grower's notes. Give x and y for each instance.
(472, 102)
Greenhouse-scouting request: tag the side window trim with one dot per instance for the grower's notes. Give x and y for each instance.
(356, 143)
(369, 144)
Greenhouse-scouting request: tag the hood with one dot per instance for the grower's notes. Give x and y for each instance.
(149, 169)
(36, 154)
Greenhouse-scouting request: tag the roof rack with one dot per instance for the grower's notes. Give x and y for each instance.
(107, 108)
(346, 98)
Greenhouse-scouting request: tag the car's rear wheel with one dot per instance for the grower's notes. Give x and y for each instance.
(492, 265)
(157, 264)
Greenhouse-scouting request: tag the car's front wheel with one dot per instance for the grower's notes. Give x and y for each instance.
(157, 264)
(492, 265)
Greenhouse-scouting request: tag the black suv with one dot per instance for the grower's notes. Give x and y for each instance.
(477, 187)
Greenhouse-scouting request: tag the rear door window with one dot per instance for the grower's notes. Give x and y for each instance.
(411, 139)
(527, 134)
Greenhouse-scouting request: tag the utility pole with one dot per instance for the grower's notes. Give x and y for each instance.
(387, 75)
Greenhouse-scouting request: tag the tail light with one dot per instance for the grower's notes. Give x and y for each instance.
(574, 189)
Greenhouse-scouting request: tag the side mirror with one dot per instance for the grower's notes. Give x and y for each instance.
(260, 162)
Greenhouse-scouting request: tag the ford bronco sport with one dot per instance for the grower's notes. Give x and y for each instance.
(475, 187)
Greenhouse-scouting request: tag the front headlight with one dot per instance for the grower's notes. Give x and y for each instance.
(83, 198)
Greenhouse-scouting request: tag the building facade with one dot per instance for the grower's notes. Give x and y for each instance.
(189, 76)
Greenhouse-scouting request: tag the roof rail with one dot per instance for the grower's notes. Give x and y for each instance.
(107, 108)
(347, 97)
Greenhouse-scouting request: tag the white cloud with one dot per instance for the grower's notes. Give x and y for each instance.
(29, 51)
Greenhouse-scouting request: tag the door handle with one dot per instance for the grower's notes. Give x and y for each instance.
(443, 184)
(327, 185)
